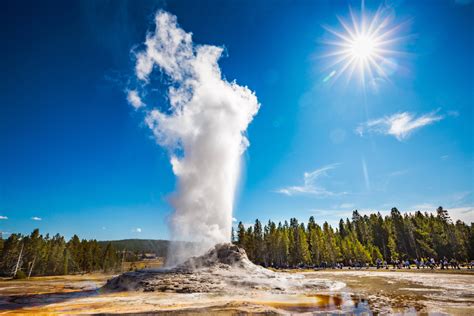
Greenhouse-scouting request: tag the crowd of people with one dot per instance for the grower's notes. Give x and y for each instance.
(422, 263)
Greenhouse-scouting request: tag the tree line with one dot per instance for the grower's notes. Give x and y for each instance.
(361, 240)
(35, 254)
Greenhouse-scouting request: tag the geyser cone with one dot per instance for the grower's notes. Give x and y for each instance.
(223, 269)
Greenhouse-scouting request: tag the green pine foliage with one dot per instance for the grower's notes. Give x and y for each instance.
(362, 240)
(36, 255)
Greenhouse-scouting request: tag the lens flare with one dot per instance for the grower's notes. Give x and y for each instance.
(366, 45)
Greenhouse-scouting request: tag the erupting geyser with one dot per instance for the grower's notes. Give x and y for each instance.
(204, 131)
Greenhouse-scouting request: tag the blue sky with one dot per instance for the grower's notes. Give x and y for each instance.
(77, 158)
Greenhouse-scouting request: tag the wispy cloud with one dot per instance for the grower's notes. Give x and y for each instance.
(3, 217)
(309, 184)
(463, 213)
(399, 125)
(332, 216)
(248, 224)
(397, 173)
(346, 205)
(424, 207)
(329, 212)
(36, 218)
(461, 198)
(453, 113)
(383, 181)
(137, 230)
(134, 99)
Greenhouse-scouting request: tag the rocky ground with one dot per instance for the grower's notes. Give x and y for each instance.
(420, 291)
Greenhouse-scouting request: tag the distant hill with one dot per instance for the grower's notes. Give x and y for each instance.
(157, 246)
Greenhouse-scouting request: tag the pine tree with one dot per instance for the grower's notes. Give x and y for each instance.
(110, 258)
(259, 248)
(241, 235)
(10, 254)
(249, 244)
(315, 241)
(470, 242)
(283, 245)
(302, 250)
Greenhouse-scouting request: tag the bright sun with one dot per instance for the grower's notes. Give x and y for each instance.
(362, 47)
(365, 45)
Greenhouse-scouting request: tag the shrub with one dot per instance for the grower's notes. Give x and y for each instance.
(20, 275)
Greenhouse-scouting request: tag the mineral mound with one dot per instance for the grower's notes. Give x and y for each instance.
(224, 268)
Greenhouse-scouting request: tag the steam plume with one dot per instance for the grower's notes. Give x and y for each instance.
(203, 131)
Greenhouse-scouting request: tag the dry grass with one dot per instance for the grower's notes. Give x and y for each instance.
(145, 264)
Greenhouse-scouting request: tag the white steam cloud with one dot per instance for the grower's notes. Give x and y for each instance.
(204, 131)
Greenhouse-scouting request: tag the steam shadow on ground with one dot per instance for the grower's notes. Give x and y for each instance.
(14, 302)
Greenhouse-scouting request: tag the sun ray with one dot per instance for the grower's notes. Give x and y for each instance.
(379, 69)
(335, 43)
(344, 52)
(354, 22)
(374, 21)
(346, 27)
(338, 34)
